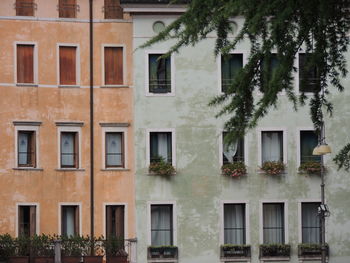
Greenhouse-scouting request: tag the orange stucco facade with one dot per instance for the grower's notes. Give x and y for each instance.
(47, 103)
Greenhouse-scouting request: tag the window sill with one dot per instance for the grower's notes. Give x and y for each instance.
(115, 169)
(69, 86)
(274, 259)
(28, 169)
(235, 259)
(115, 86)
(70, 169)
(170, 94)
(162, 260)
(26, 85)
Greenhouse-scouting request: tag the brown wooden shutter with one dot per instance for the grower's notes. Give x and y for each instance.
(119, 221)
(25, 63)
(63, 220)
(76, 150)
(67, 8)
(109, 221)
(32, 149)
(24, 7)
(76, 220)
(32, 227)
(113, 65)
(113, 10)
(67, 65)
(20, 221)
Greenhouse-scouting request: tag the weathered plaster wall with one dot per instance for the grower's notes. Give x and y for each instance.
(48, 103)
(198, 187)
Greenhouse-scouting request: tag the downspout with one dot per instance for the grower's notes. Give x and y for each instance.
(92, 194)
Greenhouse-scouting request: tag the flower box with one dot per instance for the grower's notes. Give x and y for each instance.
(273, 168)
(162, 252)
(71, 259)
(311, 250)
(274, 250)
(44, 259)
(19, 259)
(93, 259)
(117, 259)
(235, 251)
(234, 170)
(161, 167)
(310, 168)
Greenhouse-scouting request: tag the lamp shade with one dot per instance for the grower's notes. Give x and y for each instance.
(324, 149)
(316, 151)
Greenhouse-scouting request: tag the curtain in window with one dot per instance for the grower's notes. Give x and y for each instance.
(273, 223)
(234, 225)
(272, 146)
(67, 148)
(310, 223)
(230, 151)
(161, 225)
(161, 146)
(308, 141)
(230, 66)
(159, 74)
(114, 149)
(23, 148)
(69, 220)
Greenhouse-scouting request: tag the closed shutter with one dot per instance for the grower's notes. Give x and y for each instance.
(113, 65)
(25, 63)
(76, 220)
(24, 7)
(67, 65)
(76, 150)
(32, 224)
(119, 221)
(109, 232)
(67, 8)
(113, 9)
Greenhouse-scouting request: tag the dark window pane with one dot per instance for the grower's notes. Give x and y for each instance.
(310, 223)
(308, 141)
(161, 225)
(161, 146)
(234, 152)
(273, 223)
(114, 149)
(268, 71)
(159, 74)
(234, 224)
(230, 66)
(309, 79)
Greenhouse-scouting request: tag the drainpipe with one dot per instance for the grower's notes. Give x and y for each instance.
(92, 197)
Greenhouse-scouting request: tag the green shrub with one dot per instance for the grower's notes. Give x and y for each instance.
(161, 167)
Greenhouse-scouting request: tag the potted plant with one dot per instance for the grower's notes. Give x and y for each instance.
(310, 168)
(94, 245)
(235, 251)
(162, 252)
(21, 250)
(115, 252)
(273, 168)
(72, 248)
(311, 250)
(7, 247)
(160, 167)
(234, 170)
(42, 249)
(274, 250)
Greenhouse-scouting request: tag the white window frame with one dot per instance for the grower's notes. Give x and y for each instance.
(104, 217)
(60, 205)
(35, 63)
(299, 130)
(273, 129)
(37, 216)
(123, 130)
(221, 149)
(34, 128)
(218, 59)
(149, 235)
(222, 219)
(261, 223)
(173, 144)
(61, 129)
(300, 202)
(77, 64)
(103, 81)
(172, 66)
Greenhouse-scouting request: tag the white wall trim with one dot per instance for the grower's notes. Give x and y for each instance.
(300, 202)
(247, 219)
(37, 152)
(221, 141)
(298, 137)
(126, 217)
(173, 203)
(103, 81)
(285, 148)
(37, 216)
(77, 63)
(123, 130)
(286, 215)
(173, 69)
(79, 205)
(61, 129)
(35, 61)
(173, 143)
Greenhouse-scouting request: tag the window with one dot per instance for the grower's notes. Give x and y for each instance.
(67, 65)
(233, 152)
(162, 225)
(115, 221)
(69, 150)
(67, 8)
(26, 220)
(231, 64)
(308, 141)
(25, 7)
(161, 146)
(114, 149)
(309, 79)
(26, 149)
(234, 224)
(70, 220)
(159, 74)
(113, 65)
(273, 223)
(272, 146)
(268, 71)
(25, 63)
(113, 10)
(310, 223)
